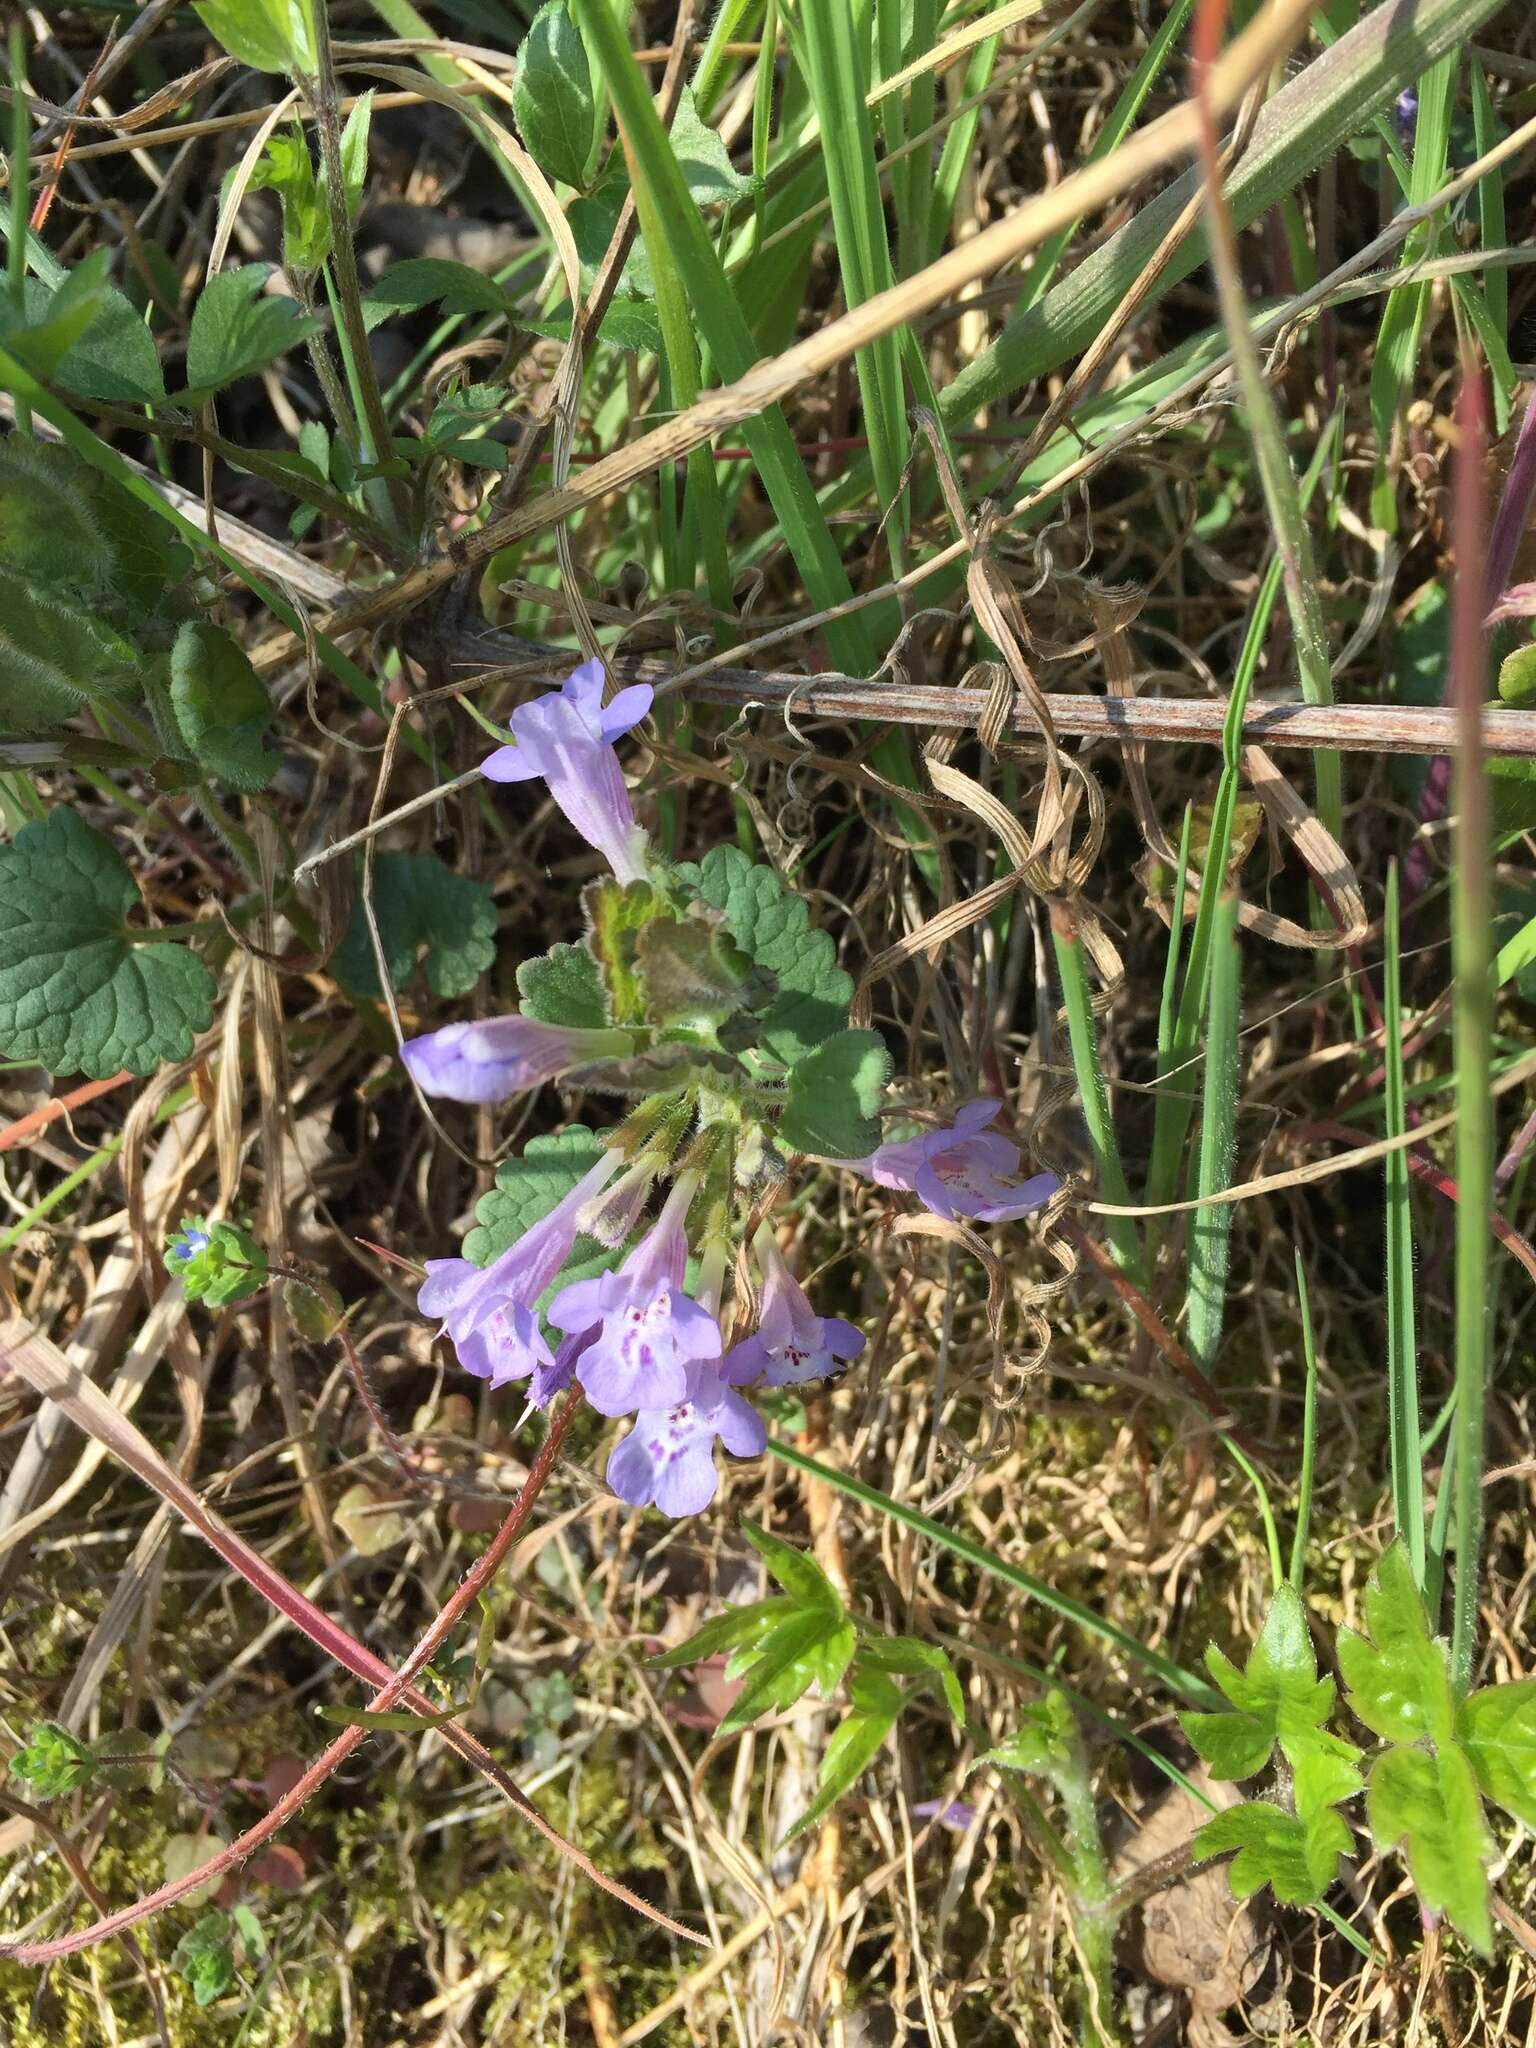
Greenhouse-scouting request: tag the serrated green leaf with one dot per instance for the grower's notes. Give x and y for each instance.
(427, 913)
(834, 1093)
(1430, 1806)
(739, 1628)
(563, 986)
(1497, 1729)
(553, 95)
(1398, 1680)
(49, 529)
(203, 1957)
(429, 281)
(853, 1744)
(907, 1658)
(796, 1571)
(772, 926)
(53, 1762)
(1045, 1744)
(1279, 1697)
(237, 329)
(76, 994)
(810, 1646)
(221, 706)
(269, 35)
(54, 653)
(1298, 1859)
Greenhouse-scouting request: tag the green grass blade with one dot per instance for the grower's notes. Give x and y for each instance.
(725, 333)
(1124, 1237)
(834, 61)
(1487, 133)
(1183, 1682)
(1402, 319)
(1210, 1230)
(1402, 1346)
(1308, 1431)
(1309, 118)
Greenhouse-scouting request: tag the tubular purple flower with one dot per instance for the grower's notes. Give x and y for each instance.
(955, 1172)
(489, 1311)
(489, 1060)
(669, 1456)
(567, 738)
(792, 1344)
(645, 1336)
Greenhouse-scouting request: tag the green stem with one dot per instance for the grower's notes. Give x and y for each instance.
(1308, 1432)
(21, 138)
(1124, 1238)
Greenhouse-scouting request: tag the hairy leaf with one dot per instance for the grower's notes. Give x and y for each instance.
(694, 977)
(772, 924)
(203, 1957)
(618, 913)
(834, 1093)
(553, 95)
(1398, 1680)
(54, 653)
(77, 995)
(221, 706)
(702, 157)
(1045, 1744)
(49, 529)
(527, 1187)
(237, 329)
(1429, 1805)
(423, 909)
(1497, 1729)
(53, 1762)
(563, 986)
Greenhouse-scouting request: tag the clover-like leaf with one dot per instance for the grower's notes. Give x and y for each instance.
(428, 914)
(772, 925)
(1278, 1697)
(563, 986)
(1398, 1680)
(1298, 1858)
(834, 1093)
(221, 706)
(81, 992)
(1429, 1805)
(1497, 1729)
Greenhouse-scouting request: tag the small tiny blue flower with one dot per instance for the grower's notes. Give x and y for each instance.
(183, 1249)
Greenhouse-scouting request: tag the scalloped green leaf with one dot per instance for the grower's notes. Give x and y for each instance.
(834, 1094)
(528, 1187)
(78, 993)
(426, 915)
(773, 925)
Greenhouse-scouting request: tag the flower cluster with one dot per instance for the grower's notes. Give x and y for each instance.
(704, 1048)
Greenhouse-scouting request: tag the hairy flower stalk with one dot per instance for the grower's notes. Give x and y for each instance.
(566, 737)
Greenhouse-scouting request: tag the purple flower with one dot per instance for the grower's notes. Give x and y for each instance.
(955, 1172)
(957, 1814)
(644, 1336)
(792, 1344)
(669, 1456)
(488, 1061)
(489, 1311)
(567, 738)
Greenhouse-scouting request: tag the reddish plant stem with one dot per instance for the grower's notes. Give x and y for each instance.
(35, 1120)
(394, 1686)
